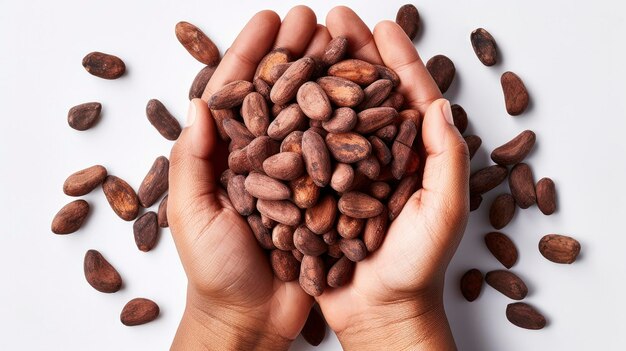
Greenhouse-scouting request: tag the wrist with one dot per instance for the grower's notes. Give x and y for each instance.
(418, 324)
(210, 326)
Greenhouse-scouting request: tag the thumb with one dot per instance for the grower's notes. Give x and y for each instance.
(193, 185)
(444, 196)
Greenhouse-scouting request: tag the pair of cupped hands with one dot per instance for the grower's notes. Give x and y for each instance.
(395, 298)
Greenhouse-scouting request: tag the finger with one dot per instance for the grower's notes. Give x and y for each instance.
(296, 30)
(342, 21)
(318, 43)
(242, 58)
(192, 183)
(399, 54)
(445, 183)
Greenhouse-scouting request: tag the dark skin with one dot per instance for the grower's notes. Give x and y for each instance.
(395, 297)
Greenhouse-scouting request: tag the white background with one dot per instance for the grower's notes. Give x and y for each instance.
(571, 55)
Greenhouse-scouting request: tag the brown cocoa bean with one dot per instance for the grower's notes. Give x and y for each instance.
(139, 311)
(162, 213)
(559, 248)
(379, 190)
(341, 92)
(166, 124)
(238, 161)
(459, 116)
(387, 133)
(230, 95)
(502, 210)
(516, 97)
(145, 230)
(401, 148)
(200, 81)
(395, 101)
(305, 192)
(380, 150)
(369, 166)
(261, 87)
(484, 46)
(284, 166)
(256, 115)
(84, 181)
(268, 222)
(312, 275)
(225, 177)
(70, 218)
(320, 218)
(308, 242)
(359, 205)
(507, 283)
(349, 227)
(261, 233)
(266, 188)
(514, 151)
(155, 182)
(334, 250)
(121, 197)
(442, 70)
(340, 273)
(284, 265)
(219, 116)
(335, 50)
(475, 201)
(314, 102)
(375, 230)
(287, 121)
(104, 65)
(357, 71)
(473, 143)
(353, 249)
(281, 211)
(348, 147)
(282, 237)
(316, 158)
(399, 198)
(259, 150)
(546, 196)
(502, 248)
(408, 19)
(297, 254)
(237, 131)
(240, 198)
(387, 73)
(374, 118)
(197, 43)
(286, 87)
(409, 114)
(84, 116)
(342, 177)
(522, 185)
(342, 120)
(376, 93)
(330, 237)
(471, 284)
(273, 58)
(487, 178)
(100, 274)
(277, 71)
(525, 316)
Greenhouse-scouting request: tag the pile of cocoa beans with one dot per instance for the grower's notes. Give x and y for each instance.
(322, 158)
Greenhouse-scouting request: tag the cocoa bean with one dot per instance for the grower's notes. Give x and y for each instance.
(312, 275)
(314, 102)
(487, 178)
(100, 274)
(342, 177)
(240, 198)
(256, 115)
(284, 265)
(401, 148)
(286, 122)
(281, 211)
(559, 248)
(399, 198)
(266, 188)
(340, 273)
(507, 283)
(473, 143)
(525, 316)
(522, 185)
(408, 19)
(369, 166)
(162, 213)
(284, 166)
(273, 58)
(288, 84)
(375, 230)
(282, 237)
(260, 149)
(335, 50)
(387, 133)
(166, 124)
(320, 218)
(84, 181)
(380, 190)
(308, 242)
(502, 248)
(261, 87)
(341, 92)
(459, 116)
(70, 218)
(514, 151)
(219, 116)
(516, 96)
(442, 70)
(261, 233)
(357, 71)
(238, 161)
(197, 43)
(230, 95)
(145, 230)
(139, 311)
(304, 191)
(359, 205)
(376, 93)
(353, 249)
(546, 196)
(121, 197)
(475, 201)
(330, 237)
(104, 65)
(342, 120)
(385, 72)
(200, 82)
(502, 210)
(471, 284)
(374, 118)
(316, 158)
(84, 116)
(155, 182)
(380, 150)
(348, 147)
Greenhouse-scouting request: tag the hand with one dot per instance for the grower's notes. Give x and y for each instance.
(394, 300)
(233, 299)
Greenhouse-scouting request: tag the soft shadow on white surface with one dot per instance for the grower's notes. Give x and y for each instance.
(570, 54)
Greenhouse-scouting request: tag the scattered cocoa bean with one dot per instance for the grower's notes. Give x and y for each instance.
(516, 96)
(507, 283)
(121, 197)
(522, 185)
(484, 46)
(100, 274)
(84, 116)
(502, 248)
(442, 70)
(139, 311)
(514, 151)
(546, 196)
(471, 284)
(70, 218)
(155, 183)
(559, 248)
(501, 211)
(525, 316)
(408, 19)
(166, 124)
(197, 43)
(84, 181)
(104, 65)
(145, 230)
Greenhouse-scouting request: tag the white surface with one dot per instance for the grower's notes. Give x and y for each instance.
(570, 54)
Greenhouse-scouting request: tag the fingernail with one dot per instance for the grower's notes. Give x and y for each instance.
(447, 112)
(191, 114)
